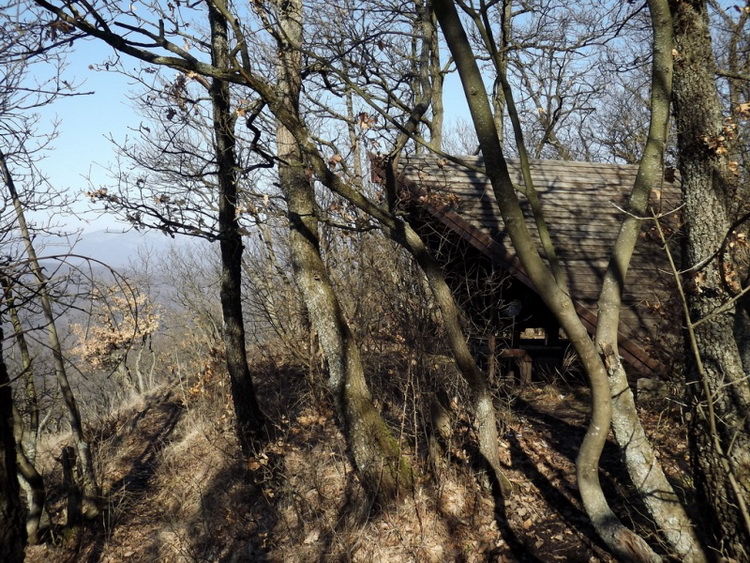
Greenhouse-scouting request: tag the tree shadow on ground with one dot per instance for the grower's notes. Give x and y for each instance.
(153, 426)
(237, 507)
(564, 438)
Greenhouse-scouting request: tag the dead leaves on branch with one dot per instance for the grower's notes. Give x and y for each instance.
(720, 143)
(57, 28)
(427, 196)
(123, 320)
(366, 121)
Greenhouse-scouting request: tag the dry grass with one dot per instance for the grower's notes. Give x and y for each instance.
(176, 487)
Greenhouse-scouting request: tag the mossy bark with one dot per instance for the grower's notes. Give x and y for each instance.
(383, 470)
(717, 382)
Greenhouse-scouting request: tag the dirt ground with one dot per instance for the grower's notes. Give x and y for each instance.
(177, 489)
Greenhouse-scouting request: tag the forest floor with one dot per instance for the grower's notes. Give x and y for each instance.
(177, 489)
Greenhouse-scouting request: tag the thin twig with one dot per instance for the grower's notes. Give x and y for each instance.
(711, 416)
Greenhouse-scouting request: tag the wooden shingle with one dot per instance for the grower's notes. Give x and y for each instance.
(582, 204)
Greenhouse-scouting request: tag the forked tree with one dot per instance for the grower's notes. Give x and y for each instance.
(599, 359)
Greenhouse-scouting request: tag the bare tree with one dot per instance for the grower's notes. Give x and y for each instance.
(717, 380)
(23, 41)
(89, 487)
(198, 192)
(12, 530)
(548, 281)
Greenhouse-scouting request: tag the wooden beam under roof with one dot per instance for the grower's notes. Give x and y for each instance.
(582, 203)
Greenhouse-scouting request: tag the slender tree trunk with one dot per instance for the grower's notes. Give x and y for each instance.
(428, 75)
(26, 433)
(376, 453)
(250, 419)
(717, 382)
(430, 92)
(643, 466)
(623, 542)
(12, 531)
(31, 422)
(436, 74)
(88, 483)
(32, 482)
(484, 409)
(501, 66)
(374, 450)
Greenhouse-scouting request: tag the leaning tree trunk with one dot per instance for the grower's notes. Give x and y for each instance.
(484, 408)
(623, 542)
(250, 419)
(376, 453)
(88, 484)
(12, 531)
(429, 86)
(717, 383)
(374, 450)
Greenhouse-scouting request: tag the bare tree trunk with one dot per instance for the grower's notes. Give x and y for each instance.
(376, 453)
(717, 382)
(142, 386)
(250, 419)
(623, 542)
(32, 482)
(436, 73)
(26, 433)
(484, 409)
(428, 74)
(31, 424)
(643, 466)
(374, 450)
(12, 532)
(88, 483)
(430, 90)
(501, 65)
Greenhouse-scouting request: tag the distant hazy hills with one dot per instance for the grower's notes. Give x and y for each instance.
(116, 249)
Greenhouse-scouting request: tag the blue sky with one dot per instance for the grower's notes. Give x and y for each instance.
(82, 148)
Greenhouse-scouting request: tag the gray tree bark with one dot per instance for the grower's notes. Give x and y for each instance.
(717, 383)
(383, 470)
(643, 466)
(623, 542)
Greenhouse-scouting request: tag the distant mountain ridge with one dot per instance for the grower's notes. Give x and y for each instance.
(116, 249)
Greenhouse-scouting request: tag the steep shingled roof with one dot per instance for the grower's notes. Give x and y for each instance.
(582, 203)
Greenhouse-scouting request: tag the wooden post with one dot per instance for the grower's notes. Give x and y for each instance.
(524, 362)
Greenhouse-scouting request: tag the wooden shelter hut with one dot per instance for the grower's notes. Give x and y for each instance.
(454, 209)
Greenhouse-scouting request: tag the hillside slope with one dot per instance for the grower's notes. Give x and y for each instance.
(177, 489)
